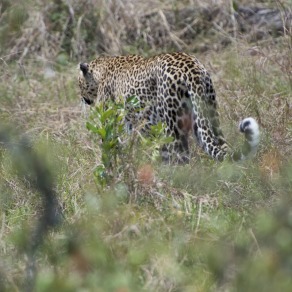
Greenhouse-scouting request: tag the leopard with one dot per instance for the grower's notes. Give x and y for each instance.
(174, 89)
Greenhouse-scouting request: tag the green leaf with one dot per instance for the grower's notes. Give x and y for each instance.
(107, 114)
(133, 101)
(101, 175)
(91, 127)
(101, 132)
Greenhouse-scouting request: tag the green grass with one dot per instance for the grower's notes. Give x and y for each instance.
(205, 226)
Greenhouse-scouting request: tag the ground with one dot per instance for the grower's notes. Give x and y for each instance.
(203, 226)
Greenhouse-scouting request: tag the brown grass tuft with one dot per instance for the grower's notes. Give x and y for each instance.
(270, 163)
(145, 175)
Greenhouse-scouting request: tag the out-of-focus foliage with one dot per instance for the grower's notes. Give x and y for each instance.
(147, 226)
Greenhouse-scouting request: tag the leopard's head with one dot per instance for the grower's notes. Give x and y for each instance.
(87, 83)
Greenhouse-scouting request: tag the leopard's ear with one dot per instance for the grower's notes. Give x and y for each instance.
(84, 68)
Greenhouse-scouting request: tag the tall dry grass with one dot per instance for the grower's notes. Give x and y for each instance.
(76, 30)
(203, 226)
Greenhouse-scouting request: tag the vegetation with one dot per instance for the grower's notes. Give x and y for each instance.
(85, 206)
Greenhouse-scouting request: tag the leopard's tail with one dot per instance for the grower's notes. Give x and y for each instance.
(250, 128)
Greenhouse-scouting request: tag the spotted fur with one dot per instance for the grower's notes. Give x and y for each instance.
(173, 88)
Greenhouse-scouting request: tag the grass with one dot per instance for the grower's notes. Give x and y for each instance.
(205, 226)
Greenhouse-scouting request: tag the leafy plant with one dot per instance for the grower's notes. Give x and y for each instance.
(107, 121)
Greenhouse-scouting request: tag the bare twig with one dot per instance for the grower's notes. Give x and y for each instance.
(32, 168)
(199, 216)
(255, 241)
